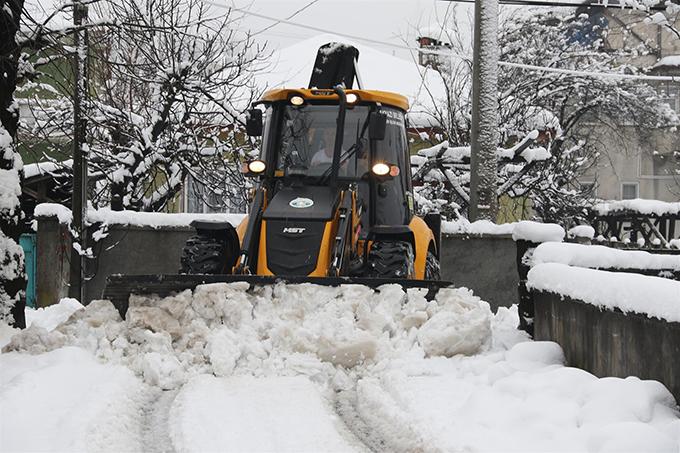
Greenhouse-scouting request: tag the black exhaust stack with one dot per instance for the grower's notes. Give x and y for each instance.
(335, 65)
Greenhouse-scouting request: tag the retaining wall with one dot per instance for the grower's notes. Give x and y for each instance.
(609, 342)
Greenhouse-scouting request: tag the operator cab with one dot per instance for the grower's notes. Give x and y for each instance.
(298, 144)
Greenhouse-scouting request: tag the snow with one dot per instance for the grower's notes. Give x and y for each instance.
(64, 400)
(670, 60)
(638, 205)
(51, 316)
(42, 168)
(602, 257)
(538, 232)
(134, 218)
(283, 414)
(526, 230)
(652, 296)
(582, 231)
(478, 227)
(263, 370)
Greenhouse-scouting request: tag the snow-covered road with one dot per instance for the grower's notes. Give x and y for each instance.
(303, 368)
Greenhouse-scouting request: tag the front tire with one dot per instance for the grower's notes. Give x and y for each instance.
(390, 260)
(204, 255)
(432, 267)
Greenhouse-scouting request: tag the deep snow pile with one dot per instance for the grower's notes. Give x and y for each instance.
(226, 329)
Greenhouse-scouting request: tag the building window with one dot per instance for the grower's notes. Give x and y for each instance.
(629, 190)
(588, 188)
(660, 165)
(669, 91)
(199, 199)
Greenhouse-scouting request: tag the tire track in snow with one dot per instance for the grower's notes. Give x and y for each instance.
(156, 431)
(345, 406)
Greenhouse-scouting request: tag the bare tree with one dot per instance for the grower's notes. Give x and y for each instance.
(558, 106)
(169, 83)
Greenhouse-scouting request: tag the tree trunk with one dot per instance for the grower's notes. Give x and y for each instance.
(13, 280)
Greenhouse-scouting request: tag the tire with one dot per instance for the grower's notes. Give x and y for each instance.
(390, 260)
(204, 255)
(432, 268)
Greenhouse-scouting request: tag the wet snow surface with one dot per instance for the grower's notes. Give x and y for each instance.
(307, 368)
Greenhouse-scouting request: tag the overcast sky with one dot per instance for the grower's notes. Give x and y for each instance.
(395, 21)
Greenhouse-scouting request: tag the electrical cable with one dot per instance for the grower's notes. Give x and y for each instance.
(450, 54)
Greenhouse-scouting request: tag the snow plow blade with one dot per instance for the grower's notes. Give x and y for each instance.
(119, 288)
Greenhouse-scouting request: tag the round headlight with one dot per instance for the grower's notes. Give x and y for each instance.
(256, 166)
(297, 100)
(352, 98)
(381, 169)
(394, 171)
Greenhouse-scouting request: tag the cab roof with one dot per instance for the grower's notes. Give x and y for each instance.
(372, 96)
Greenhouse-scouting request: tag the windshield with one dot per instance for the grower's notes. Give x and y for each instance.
(308, 138)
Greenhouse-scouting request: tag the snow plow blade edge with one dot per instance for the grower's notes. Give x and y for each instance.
(119, 288)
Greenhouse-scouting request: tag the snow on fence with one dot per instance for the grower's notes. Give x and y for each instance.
(607, 258)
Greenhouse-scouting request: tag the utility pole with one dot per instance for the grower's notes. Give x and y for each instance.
(484, 131)
(80, 153)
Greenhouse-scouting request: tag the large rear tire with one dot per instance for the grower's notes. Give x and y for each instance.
(204, 255)
(390, 260)
(432, 267)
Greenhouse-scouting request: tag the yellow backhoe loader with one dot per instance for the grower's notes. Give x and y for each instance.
(333, 198)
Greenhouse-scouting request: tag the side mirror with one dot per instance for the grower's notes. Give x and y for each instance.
(254, 123)
(377, 124)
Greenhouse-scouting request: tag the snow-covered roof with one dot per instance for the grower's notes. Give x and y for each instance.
(292, 68)
(42, 168)
(670, 61)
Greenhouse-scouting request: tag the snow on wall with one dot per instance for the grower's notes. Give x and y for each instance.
(599, 256)
(143, 219)
(479, 227)
(638, 205)
(524, 230)
(652, 296)
(538, 232)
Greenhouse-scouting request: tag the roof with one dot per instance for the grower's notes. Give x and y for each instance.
(383, 97)
(291, 67)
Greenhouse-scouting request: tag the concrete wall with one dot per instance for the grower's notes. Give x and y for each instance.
(484, 264)
(487, 265)
(126, 250)
(610, 343)
(135, 250)
(53, 249)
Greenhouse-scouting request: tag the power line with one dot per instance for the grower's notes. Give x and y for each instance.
(558, 3)
(451, 54)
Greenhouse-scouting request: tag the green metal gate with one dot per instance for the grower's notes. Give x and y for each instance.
(27, 242)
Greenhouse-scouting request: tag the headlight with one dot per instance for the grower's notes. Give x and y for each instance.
(256, 166)
(381, 169)
(297, 100)
(352, 98)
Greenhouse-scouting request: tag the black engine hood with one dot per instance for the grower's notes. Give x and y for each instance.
(304, 203)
